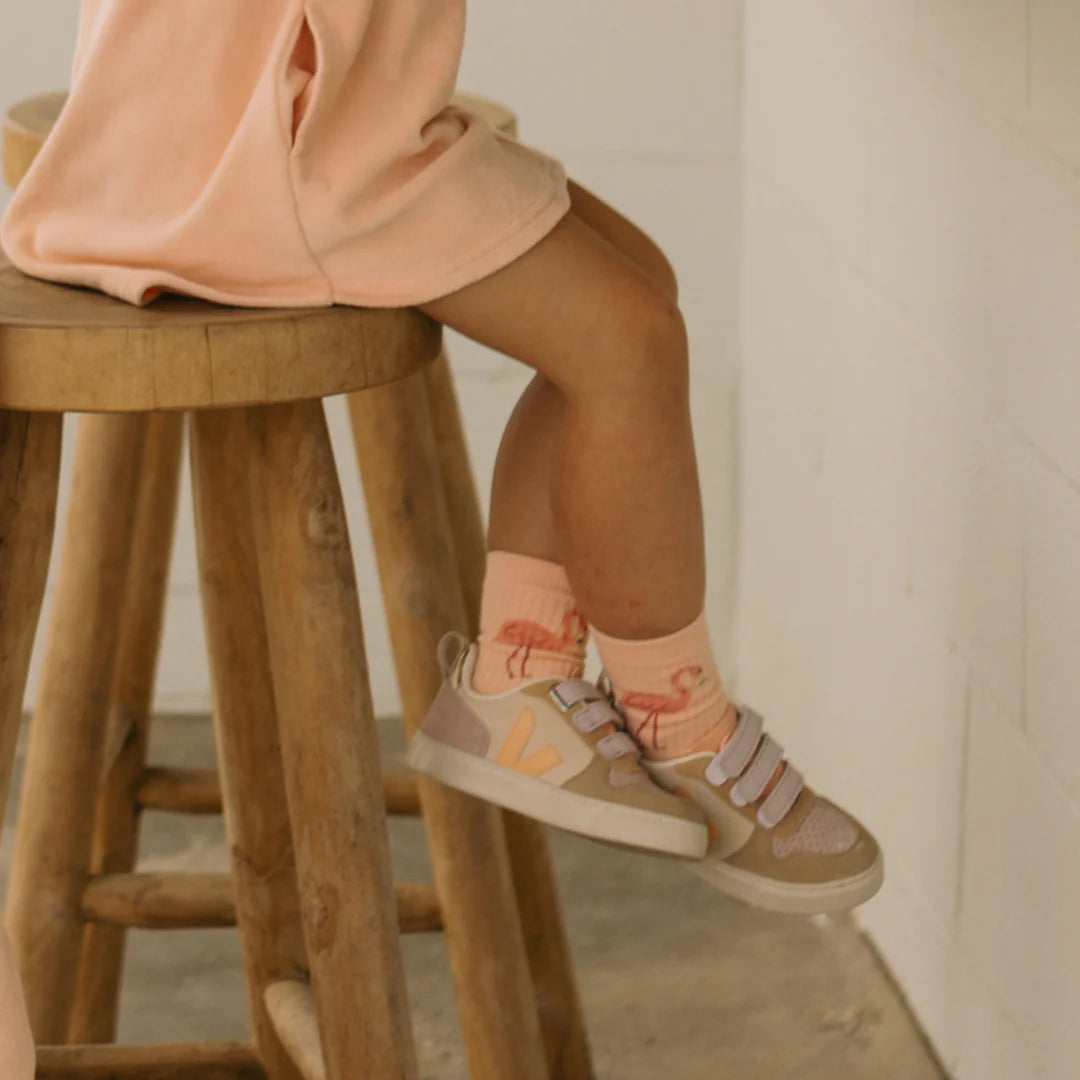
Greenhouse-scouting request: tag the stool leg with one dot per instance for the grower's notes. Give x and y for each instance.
(64, 756)
(406, 506)
(249, 751)
(561, 1018)
(29, 470)
(329, 746)
(116, 831)
(459, 483)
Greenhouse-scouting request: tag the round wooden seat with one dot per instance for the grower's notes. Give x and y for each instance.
(65, 349)
(25, 126)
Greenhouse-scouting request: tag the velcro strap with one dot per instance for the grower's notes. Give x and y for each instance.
(596, 714)
(738, 750)
(569, 692)
(753, 782)
(782, 797)
(616, 745)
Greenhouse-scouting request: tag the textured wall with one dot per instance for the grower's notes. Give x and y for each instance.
(909, 597)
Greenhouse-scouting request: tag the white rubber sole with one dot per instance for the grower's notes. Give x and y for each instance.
(595, 818)
(792, 898)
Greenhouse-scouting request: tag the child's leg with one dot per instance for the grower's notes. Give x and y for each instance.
(597, 471)
(521, 512)
(522, 590)
(625, 500)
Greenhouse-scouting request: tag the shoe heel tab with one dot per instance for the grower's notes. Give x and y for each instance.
(451, 649)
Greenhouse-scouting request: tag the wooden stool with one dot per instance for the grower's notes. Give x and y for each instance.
(310, 888)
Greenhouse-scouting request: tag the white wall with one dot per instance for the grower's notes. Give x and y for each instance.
(640, 102)
(909, 592)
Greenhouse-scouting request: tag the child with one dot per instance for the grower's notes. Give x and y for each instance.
(290, 153)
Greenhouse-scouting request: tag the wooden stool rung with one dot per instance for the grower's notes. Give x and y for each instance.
(198, 791)
(418, 908)
(401, 793)
(161, 901)
(291, 1006)
(180, 791)
(191, 901)
(174, 1061)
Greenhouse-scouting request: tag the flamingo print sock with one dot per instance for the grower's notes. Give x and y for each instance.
(529, 626)
(669, 690)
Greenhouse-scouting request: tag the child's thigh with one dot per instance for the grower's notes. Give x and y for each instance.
(620, 231)
(570, 307)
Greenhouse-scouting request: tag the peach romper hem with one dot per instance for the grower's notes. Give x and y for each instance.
(272, 153)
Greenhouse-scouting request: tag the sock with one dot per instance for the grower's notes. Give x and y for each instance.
(670, 690)
(529, 626)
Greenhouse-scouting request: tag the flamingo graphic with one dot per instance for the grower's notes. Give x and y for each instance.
(684, 682)
(523, 634)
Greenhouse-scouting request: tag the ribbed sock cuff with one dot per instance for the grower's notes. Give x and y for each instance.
(529, 625)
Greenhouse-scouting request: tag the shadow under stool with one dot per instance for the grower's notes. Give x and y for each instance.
(299, 773)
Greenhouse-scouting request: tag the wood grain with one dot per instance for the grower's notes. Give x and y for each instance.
(178, 1061)
(65, 750)
(329, 746)
(29, 474)
(69, 349)
(116, 829)
(198, 791)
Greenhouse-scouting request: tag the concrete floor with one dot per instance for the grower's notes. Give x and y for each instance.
(676, 979)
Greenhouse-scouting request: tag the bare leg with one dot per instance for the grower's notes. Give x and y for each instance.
(613, 344)
(522, 517)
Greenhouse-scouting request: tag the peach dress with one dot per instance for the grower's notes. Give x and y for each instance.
(276, 153)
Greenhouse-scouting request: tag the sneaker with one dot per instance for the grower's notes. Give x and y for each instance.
(792, 851)
(552, 749)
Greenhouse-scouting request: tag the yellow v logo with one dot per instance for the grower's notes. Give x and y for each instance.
(535, 764)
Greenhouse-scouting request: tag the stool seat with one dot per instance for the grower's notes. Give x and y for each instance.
(25, 126)
(67, 349)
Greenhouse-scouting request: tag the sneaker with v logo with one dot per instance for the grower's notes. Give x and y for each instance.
(552, 749)
(778, 846)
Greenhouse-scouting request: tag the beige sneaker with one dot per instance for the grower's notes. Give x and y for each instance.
(792, 851)
(552, 749)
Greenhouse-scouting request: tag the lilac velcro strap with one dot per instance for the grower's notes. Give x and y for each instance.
(754, 781)
(738, 750)
(782, 797)
(595, 715)
(616, 745)
(570, 692)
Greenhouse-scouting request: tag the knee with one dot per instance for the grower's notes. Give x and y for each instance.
(661, 330)
(663, 273)
(656, 267)
(649, 356)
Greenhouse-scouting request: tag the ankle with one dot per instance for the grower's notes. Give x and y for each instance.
(708, 735)
(529, 624)
(500, 667)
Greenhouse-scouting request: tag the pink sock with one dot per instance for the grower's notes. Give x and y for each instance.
(669, 690)
(529, 626)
